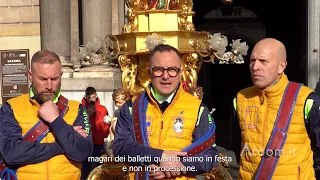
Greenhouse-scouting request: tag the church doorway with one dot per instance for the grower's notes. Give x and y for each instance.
(251, 21)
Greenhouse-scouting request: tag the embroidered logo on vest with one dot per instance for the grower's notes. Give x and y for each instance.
(251, 117)
(178, 123)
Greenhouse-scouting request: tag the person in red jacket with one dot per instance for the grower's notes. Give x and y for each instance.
(100, 130)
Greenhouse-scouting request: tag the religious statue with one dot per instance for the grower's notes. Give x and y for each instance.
(163, 4)
(173, 4)
(132, 24)
(156, 4)
(142, 5)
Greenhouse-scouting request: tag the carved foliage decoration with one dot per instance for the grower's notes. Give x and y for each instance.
(185, 7)
(129, 68)
(192, 65)
(132, 24)
(143, 75)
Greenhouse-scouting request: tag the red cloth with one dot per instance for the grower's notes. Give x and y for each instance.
(99, 129)
(185, 85)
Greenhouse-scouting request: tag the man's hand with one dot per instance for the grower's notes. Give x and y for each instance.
(81, 131)
(169, 159)
(48, 111)
(155, 172)
(91, 110)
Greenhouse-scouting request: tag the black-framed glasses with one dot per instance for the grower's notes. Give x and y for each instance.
(158, 71)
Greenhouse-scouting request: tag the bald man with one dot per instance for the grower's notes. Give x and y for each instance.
(275, 123)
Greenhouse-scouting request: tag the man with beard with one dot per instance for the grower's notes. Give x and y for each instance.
(42, 134)
(99, 129)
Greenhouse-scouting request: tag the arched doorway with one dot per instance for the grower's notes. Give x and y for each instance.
(250, 20)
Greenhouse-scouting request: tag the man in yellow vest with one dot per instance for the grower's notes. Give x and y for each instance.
(44, 136)
(165, 131)
(275, 126)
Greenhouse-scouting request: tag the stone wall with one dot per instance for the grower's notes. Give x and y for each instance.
(20, 29)
(19, 26)
(19, 18)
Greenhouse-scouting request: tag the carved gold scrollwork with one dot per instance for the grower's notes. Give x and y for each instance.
(113, 46)
(143, 75)
(129, 68)
(185, 7)
(191, 66)
(200, 46)
(204, 49)
(185, 3)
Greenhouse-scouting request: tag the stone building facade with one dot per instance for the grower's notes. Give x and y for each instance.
(59, 31)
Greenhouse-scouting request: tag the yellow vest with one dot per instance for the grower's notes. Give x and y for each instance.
(58, 167)
(257, 112)
(162, 132)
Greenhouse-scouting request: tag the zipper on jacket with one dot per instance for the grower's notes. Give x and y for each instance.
(161, 127)
(265, 123)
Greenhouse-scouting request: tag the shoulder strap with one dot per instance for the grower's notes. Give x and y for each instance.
(279, 132)
(36, 133)
(137, 114)
(138, 119)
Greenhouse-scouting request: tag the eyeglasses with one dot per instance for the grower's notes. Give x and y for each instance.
(172, 71)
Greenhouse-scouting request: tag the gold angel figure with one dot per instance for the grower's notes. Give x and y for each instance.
(143, 74)
(185, 4)
(186, 10)
(132, 24)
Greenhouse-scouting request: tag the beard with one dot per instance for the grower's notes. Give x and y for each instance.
(44, 96)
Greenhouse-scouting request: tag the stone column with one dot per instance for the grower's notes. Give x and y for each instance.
(122, 14)
(55, 29)
(96, 23)
(115, 17)
(75, 33)
(118, 16)
(313, 42)
(97, 19)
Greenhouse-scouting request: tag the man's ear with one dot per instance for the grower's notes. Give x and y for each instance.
(30, 74)
(282, 66)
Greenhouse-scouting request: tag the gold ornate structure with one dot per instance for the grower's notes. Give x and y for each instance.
(169, 22)
(151, 22)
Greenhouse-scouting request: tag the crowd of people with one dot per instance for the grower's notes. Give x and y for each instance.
(44, 135)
